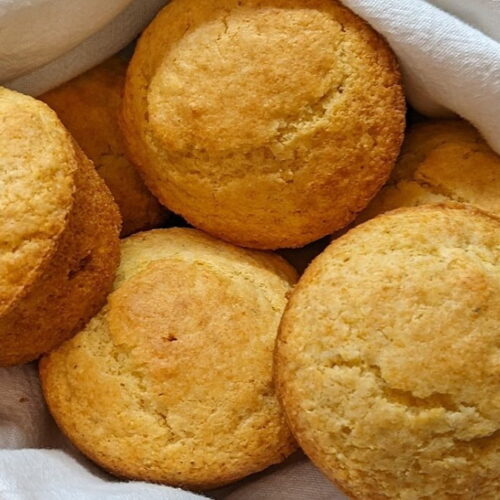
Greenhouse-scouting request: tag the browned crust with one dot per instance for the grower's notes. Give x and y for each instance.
(89, 107)
(259, 235)
(76, 279)
(36, 107)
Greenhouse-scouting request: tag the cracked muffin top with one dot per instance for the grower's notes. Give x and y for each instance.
(37, 167)
(388, 357)
(172, 381)
(268, 123)
(441, 161)
(89, 107)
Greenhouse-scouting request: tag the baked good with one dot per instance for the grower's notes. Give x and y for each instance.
(59, 231)
(266, 123)
(177, 367)
(441, 160)
(388, 356)
(88, 106)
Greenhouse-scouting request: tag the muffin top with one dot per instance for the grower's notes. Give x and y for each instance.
(37, 168)
(89, 107)
(388, 356)
(177, 368)
(267, 123)
(444, 160)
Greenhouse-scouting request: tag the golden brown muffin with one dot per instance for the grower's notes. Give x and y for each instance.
(59, 232)
(268, 123)
(441, 161)
(388, 358)
(88, 106)
(172, 381)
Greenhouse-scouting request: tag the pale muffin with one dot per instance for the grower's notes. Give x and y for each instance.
(388, 358)
(59, 231)
(88, 106)
(266, 123)
(441, 161)
(172, 381)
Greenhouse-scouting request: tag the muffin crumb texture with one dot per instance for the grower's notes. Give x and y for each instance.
(266, 123)
(34, 152)
(59, 230)
(172, 381)
(441, 161)
(89, 107)
(388, 356)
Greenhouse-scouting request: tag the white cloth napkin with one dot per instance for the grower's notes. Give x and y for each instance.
(449, 51)
(44, 43)
(32, 33)
(450, 54)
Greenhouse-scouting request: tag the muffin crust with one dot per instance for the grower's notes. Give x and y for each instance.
(266, 123)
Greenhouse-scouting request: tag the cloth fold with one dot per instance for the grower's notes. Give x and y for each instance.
(451, 64)
(34, 32)
(56, 475)
(40, 66)
(450, 56)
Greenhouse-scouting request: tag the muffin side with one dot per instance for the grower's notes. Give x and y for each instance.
(35, 152)
(89, 107)
(75, 281)
(440, 161)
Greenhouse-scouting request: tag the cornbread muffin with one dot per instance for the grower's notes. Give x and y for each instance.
(88, 106)
(172, 381)
(441, 161)
(388, 358)
(59, 232)
(268, 123)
